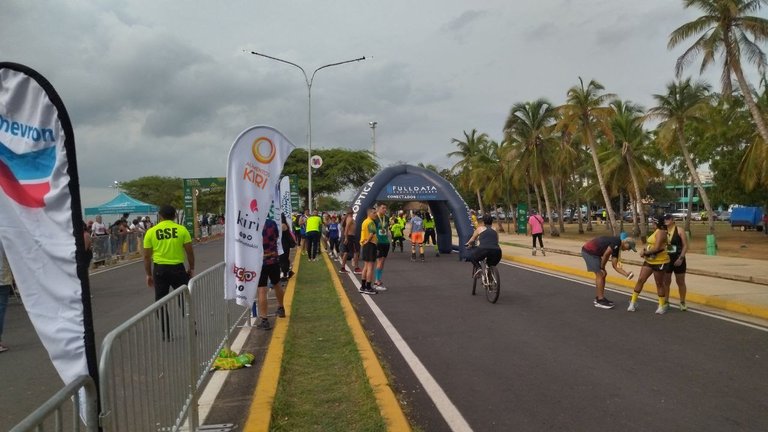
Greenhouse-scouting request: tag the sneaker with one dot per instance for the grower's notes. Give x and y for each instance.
(437, 254)
(367, 290)
(343, 270)
(3, 348)
(533, 252)
(543, 253)
(280, 312)
(379, 287)
(632, 307)
(683, 307)
(661, 310)
(358, 271)
(264, 324)
(603, 303)
(421, 257)
(413, 257)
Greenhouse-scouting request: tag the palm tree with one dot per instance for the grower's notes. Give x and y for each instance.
(468, 151)
(685, 101)
(530, 125)
(629, 134)
(584, 114)
(725, 28)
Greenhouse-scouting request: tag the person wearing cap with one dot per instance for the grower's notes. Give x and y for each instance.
(596, 254)
(677, 248)
(656, 262)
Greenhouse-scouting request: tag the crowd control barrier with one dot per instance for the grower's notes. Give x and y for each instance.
(65, 403)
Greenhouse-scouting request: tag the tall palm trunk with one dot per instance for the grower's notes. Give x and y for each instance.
(538, 197)
(695, 176)
(479, 200)
(557, 192)
(638, 199)
(601, 180)
(747, 93)
(552, 230)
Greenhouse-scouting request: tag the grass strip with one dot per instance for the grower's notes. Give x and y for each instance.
(322, 386)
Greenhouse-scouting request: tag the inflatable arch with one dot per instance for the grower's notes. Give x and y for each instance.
(412, 183)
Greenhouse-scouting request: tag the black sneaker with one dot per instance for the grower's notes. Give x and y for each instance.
(367, 290)
(264, 324)
(603, 303)
(280, 312)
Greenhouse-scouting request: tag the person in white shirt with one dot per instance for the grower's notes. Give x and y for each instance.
(99, 228)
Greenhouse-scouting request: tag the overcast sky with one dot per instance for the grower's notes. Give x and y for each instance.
(164, 87)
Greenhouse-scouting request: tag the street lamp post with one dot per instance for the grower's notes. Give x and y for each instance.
(373, 135)
(309, 111)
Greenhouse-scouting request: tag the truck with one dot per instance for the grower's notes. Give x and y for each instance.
(747, 218)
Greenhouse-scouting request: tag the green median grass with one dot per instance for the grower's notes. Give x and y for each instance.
(322, 385)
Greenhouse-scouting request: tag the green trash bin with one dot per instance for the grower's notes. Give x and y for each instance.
(711, 245)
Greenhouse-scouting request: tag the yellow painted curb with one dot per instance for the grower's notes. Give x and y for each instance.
(385, 397)
(260, 412)
(711, 301)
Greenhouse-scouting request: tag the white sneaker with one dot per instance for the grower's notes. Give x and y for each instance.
(661, 310)
(379, 287)
(632, 307)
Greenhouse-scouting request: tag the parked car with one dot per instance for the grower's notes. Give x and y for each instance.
(680, 214)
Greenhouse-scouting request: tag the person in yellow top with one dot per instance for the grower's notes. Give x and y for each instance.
(166, 245)
(369, 252)
(312, 232)
(656, 263)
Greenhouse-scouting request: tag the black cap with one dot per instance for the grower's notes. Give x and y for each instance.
(668, 216)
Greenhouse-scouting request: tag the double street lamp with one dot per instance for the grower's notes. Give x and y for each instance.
(309, 116)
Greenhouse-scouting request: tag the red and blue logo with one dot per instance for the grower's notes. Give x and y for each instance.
(26, 177)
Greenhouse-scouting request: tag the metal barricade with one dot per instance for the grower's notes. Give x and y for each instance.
(215, 315)
(66, 403)
(102, 249)
(147, 368)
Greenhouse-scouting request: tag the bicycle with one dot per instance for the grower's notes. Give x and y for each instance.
(488, 276)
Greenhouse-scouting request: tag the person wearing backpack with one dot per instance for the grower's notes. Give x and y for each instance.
(536, 228)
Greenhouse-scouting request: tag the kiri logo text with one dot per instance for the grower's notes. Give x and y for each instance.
(255, 175)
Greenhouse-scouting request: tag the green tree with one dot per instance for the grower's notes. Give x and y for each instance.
(156, 190)
(726, 28)
(470, 152)
(529, 129)
(685, 101)
(585, 114)
(341, 170)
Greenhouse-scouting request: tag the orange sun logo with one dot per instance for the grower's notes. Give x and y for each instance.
(259, 145)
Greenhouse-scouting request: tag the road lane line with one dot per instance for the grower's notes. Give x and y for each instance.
(447, 409)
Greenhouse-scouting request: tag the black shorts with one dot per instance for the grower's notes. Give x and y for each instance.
(382, 250)
(271, 273)
(682, 268)
(369, 252)
(658, 267)
(351, 245)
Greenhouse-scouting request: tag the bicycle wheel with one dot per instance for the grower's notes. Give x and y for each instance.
(493, 287)
(475, 278)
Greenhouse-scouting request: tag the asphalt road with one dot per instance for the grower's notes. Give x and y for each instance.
(543, 358)
(27, 376)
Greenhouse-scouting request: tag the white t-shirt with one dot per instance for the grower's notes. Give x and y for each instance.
(99, 229)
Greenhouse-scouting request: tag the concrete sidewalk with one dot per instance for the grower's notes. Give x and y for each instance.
(736, 285)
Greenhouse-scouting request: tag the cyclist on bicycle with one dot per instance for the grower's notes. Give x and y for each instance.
(488, 248)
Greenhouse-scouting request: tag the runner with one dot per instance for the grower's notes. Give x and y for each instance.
(596, 254)
(656, 263)
(417, 236)
(396, 228)
(429, 232)
(382, 244)
(351, 244)
(678, 247)
(369, 252)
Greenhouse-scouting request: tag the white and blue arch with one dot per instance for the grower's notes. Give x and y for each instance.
(412, 183)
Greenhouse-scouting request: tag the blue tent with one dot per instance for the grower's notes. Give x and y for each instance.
(122, 203)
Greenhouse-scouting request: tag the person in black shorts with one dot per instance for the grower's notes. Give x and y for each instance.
(488, 248)
(596, 254)
(270, 272)
(677, 248)
(369, 252)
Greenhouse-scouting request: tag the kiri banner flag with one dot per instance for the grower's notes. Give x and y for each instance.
(253, 170)
(285, 201)
(41, 227)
